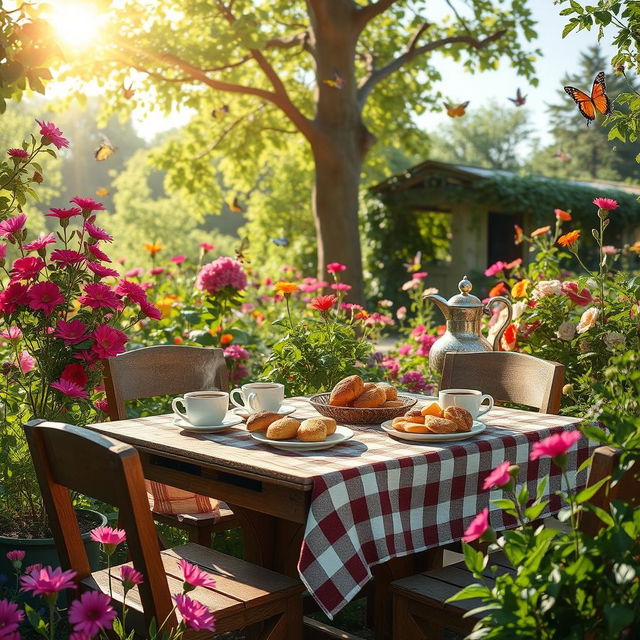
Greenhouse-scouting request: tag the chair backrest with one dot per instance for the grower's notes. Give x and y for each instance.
(68, 458)
(604, 463)
(508, 376)
(161, 371)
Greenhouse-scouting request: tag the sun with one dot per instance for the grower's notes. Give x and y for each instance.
(75, 22)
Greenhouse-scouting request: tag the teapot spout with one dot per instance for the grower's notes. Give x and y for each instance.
(441, 303)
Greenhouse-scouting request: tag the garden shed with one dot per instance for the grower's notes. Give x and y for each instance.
(462, 219)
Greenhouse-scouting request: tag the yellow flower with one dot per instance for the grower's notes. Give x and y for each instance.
(519, 289)
(165, 305)
(285, 288)
(153, 247)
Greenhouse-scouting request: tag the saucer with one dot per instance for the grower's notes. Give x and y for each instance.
(228, 421)
(341, 435)
(284, 410)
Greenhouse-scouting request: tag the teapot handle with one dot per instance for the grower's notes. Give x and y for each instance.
(507, 322)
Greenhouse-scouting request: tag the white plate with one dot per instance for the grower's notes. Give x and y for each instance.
(341, 434)
(477, 427)
(228, 421)
(284, 410)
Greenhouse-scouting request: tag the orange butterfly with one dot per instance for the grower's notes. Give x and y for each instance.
(598, 99)
(456, 110)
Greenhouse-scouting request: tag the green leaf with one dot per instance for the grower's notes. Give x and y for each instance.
(475, 560)
(588, 492)
(36, 620)
(471, 591)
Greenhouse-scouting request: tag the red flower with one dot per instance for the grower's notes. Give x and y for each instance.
(88, 204)
(108, 342)
(27, 268)
(131, 290)
(67, 257)
(75, 373)
(98, 253)
(15, 295)
(45, 296)
(336, 267)
(178, 259)
(11, 226)
(150, 310)
(70, 389)
(609, 204)
(101, 271)
(563, 216)
(510, 338)
(97, 232)
(63, 214)
(478, 526)
(71, 332)
(323, 303)
(18, 153)
(581, 298)
(52, 135)
(206, 246)
(40, 243)
(99, 295)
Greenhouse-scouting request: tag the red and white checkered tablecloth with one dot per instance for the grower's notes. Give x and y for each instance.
(363, 515)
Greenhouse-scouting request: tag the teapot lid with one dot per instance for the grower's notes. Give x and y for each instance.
(464, 298)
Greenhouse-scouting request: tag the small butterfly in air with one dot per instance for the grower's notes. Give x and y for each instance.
(128, 92)
(220, 112)
(456, 111)
(235, 206)
(104, 151)
(102, 191)
(415, 264)
(563, 156)
(240, 251)
(598, 99)
(519, 100)
(337, 82)
(281, 241)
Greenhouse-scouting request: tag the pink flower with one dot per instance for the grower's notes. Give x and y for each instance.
(556, 445)
(33, 567)
(91, 613)
(10, 619)
(340, 286)
(68, 388)
(3, 251)
(421, 275)
(134, 273)
(414, 381)
(392, 365)
(606, 203)
(27, 268)
(418, 331)
(236, 352)
(405, 350)
(97, 232)
(87, 204)
(11, 333)
(131, 290)
(336, 267)
(67, 257)
(45, 296)
(514, 263)
(101, 271)
(99, 295)
(194, 576)
(11, 226)
(130, 577)
(222, 272)
(156, 271)
(426, 341)
(109, 537)
(401, 313)
(15, 295)
(47, 581)
(109, 342)
(478, 526)
(64, 214)
(18, 153)
(75, 373)
(17, 555)
(26, 362)
(71, 332)
(206, 246)
(52, 135)
(582, 298)
(194, 614)
(498, 477)
(178, 259)
(98, 253)
(40, 243)
(150, 310)
(496, 267)
(609, 250)
(102, 405)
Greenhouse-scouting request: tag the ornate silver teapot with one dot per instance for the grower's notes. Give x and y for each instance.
(463, 314)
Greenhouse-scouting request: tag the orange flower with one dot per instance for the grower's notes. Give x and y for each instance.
(569, 239)
(362, 315)
(498, 290)
(285, 288)
(519, 234)
(519, 289)
(563, 216)
(635, 247)
(177, 340)
(153, 247)
(510, 338)
(225, 339)
(540, 231)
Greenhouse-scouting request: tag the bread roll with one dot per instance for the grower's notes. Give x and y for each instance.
(440, 425)
(412, 427)
(414, 419)
(283, 429)
(390, 391)
(329, 423)
(460, 416)
(367, 386)
(393, 403)
(346, 391)
(261, 420)
(374, 397)
(312, 430)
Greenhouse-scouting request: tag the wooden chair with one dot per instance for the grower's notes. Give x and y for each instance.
(170, 370)
(507, 376)
(69, 458)
(420, 610)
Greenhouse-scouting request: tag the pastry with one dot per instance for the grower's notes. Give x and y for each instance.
(390, 391)
(460, 416)
(412, 427)
(346, 391)
(439, 425)
(413, 412)
(432, 409)
(283, 429)
(329, 423)
(312, 430)
(367, 386)
(414, 419)
(393, 403)
(261, 420)
(374, 397)
(399, 426)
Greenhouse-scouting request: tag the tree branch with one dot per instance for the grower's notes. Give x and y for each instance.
(370, 11)
(413, 51)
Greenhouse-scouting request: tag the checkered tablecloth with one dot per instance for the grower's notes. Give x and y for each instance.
(362, 516)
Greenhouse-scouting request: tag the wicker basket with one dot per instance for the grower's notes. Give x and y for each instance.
(356, 415)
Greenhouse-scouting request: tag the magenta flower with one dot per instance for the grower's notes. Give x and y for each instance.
(91, 613)
(609, 204)
(498, 477)
(97, 232)
(98, 295)
(98, 253)
(194, 614)
(136, 272)
(150, 310)
(45, 296)
(21, 154)
(71, 332)
(222, 272)
(414, 381)
(26, 362)
(27, 268)
(101, 271)
(10, 619)
(40, 243)
(405, 350)
(47, 581)
(130, 577)
(206, 246)
(87, 204)
(11, 226)
(3, 251)
(178, 259)
(555, 446)
(63, 214)
(156, 271)
(75, 372)
(478, 526)
(340, 286)
(69, 388)
(194, 576)
(108, 342)
(496, 267)
(52, 135)
(108, 537)
(102, 405)
(420, 275)
(131, 290)
(13, 296)
(236, 352)
(336, 267)
(67, 257)
(426, 341)
(11, 333)
(16, 555)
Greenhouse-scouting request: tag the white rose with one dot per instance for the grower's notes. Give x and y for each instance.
(518, 309)
(567, 331)
(614, 339)
(546, 288)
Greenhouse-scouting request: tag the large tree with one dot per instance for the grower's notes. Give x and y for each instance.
(338, 73)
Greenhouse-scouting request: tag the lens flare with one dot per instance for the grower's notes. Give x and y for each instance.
(76, 23)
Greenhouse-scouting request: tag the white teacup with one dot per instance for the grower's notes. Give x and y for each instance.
(469, 399)
(203, 408)
(259, 396)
